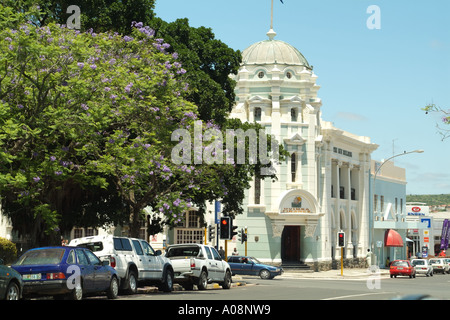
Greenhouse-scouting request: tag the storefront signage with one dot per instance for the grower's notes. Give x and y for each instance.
(417, 210)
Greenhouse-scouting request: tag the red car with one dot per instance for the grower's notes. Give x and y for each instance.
(402, 268)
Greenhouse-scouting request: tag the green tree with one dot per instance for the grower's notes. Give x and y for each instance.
(82, 112)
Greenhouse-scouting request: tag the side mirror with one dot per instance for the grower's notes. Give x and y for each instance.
(105, 263)
(158, 252)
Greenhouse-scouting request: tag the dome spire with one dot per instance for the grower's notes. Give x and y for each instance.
(271, 34)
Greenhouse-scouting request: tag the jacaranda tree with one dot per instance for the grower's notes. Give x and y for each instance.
(86, 113)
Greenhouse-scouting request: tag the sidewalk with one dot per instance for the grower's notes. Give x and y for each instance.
(347, 273)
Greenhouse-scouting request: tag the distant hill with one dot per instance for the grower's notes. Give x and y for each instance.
(429, 199)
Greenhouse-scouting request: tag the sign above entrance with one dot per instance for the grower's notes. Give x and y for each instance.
(297, 202)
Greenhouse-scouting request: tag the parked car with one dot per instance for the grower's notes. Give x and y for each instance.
(65, 272)
(422, 266)
(402, 268)
(134, 259)
(11, 284)
(251, 266)
(439, 265)
(198, 264)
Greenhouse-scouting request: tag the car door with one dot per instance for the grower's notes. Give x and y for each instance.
(101, 272)
(247, 266)
(219, 265)
(143, 262)
(86, 270)
(155, 263)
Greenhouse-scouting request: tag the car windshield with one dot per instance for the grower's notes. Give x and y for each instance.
(190, 251)
(418, 263)
(93, 246)
(400, 264)
(41, 256)
(435, 261)
(254, 260)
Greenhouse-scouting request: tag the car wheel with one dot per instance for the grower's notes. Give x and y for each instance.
(12, 292)
(167, 285)
(113, 290)
(131, 283)
(227, 281)
(76, 293)
(202, 281)
(264, 274)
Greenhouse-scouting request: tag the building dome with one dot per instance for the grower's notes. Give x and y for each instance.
(273, 52)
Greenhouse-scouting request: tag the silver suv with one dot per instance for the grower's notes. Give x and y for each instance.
(134, 259)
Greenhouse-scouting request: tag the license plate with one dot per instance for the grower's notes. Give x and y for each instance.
(34, 276)
(399, 268)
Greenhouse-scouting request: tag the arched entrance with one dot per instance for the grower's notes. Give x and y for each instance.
(290, 244)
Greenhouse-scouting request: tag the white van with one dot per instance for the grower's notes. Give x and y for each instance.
(134, 259)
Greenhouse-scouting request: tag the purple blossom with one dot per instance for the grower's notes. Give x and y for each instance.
(36, 179)
(177, 202)
(107, 89)
(52, 158)
(128, 87)
(112, 61)
(84, 107)
(166, 168)
(58, 173)
(80, 65)
(127, 38)
(93, 66)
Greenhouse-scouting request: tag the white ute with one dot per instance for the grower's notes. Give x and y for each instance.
(134, 259)
(198, 264)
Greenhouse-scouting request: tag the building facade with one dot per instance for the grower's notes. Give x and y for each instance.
(323, 186)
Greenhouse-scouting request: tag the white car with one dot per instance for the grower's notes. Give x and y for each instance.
(198, 264)
(134, 259)
(439, 265)
(422, 266)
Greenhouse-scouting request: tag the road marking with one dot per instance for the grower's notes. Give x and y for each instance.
(355, 295)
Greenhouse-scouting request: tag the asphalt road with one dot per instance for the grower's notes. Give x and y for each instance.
(291, 288)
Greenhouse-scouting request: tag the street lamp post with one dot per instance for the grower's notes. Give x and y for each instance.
(372, 219)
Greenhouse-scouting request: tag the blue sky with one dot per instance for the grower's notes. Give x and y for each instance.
(373, 82)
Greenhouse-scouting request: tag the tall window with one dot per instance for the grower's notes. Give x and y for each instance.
(293, 166)
(257, 190)
(257, 114)
(293, 115)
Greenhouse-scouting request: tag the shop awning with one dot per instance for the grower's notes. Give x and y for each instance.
(392, 239)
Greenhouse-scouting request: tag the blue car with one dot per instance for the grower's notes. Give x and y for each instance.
(251, 266)
(11, 283)
(65, 272)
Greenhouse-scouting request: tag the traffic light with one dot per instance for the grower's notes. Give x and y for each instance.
(211, 232)
(341, 239)
(242, 235)
(233, 232)
(225, 230)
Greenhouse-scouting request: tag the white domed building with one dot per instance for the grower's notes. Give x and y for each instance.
(323, 187)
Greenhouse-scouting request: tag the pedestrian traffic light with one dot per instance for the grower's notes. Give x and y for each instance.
(341, 239)
(242, 235)
(211, 232)
(225, 230)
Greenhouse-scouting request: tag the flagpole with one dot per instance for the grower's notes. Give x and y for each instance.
(271, 17)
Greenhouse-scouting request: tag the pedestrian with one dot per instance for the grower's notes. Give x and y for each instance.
(235, 252)
(222, 252)
(369, 257)
(388, 262)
